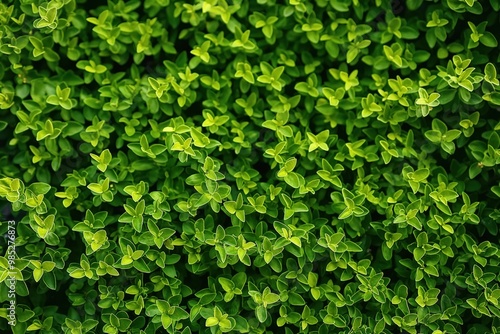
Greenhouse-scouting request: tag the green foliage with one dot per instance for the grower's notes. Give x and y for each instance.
(250, 166)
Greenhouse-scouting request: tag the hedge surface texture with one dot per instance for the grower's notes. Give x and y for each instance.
(250, 166)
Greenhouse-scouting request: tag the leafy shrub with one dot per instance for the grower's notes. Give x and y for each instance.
(251, 166)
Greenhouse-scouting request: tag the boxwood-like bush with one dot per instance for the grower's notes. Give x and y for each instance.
(249, 166)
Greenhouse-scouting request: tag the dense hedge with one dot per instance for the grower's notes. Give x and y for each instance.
(250, 166)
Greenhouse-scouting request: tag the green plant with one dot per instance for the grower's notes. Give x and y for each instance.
(249, 166)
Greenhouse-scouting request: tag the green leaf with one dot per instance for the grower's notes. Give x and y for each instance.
(261, 313)
(489, 40)
(433, 135)
(39, 188)
(451, 135)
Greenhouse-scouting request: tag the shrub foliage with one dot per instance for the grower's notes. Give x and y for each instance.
(251, 166)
